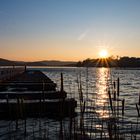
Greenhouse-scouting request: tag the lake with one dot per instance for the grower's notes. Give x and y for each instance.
(96, 81)
(94, 84)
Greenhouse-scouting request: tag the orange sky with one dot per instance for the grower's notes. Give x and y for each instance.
(72, 50)
(68, 29)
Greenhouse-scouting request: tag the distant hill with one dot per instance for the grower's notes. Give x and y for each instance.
(5, 62)
(58, 63)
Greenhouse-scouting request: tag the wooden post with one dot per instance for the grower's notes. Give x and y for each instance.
(114, 84)
(118, 86)
(110, 100)
(61, 109)
(139, 98)
(62, 88)
(123, 102)
(114, 90)
(138, 110)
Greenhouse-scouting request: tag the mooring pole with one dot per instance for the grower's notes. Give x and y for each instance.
(123, 102)
(139, 99)
(138, 110)
(114, 90)
(118, 86)
(62, 88)
(61, 109)
(110, 100)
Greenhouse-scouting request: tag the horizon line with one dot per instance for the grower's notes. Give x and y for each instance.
(64, 60)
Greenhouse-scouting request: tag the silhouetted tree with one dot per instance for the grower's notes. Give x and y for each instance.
(111, 62)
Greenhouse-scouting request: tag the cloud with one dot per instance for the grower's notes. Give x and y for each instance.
(83, 35)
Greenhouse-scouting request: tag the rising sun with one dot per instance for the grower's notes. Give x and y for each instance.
(103, 54)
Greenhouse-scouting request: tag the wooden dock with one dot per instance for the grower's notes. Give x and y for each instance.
(7, 73)
(29, 93)
(21, 109)
(26, 79)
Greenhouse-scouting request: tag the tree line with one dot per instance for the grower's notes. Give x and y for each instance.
(110, 62)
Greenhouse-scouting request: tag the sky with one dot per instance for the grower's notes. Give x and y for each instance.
(68, 29)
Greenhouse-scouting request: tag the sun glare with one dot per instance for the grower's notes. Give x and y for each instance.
(103, 54)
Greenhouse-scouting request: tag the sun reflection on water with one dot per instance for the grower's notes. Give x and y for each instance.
(103, 76)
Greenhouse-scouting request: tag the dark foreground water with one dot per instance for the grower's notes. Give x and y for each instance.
(95, 83)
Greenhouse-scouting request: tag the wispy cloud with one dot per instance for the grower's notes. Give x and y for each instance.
(83, 35)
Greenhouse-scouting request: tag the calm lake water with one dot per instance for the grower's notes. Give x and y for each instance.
(95, 83)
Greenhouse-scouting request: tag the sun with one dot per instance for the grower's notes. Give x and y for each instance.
(103, 54)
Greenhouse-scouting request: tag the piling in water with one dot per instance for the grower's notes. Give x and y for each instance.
(118, 86)
(138, 111)
(139, 99)
(123, 104)
(110, 100)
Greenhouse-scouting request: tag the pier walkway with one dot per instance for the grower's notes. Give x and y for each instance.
(32, 93)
